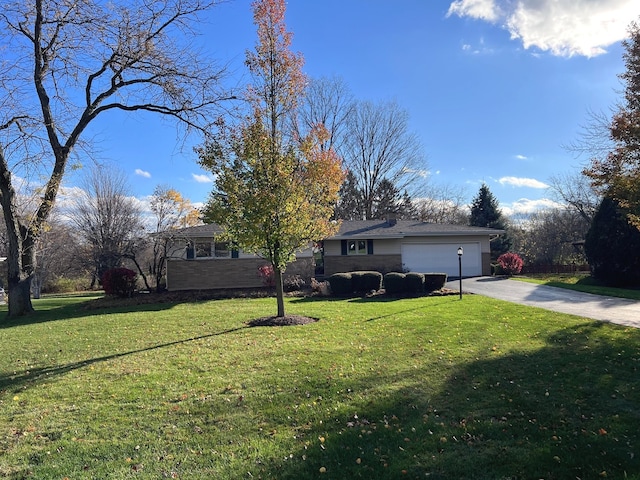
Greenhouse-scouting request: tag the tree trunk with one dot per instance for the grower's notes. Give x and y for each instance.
(20, 272)
(279, 291)
(20, 297)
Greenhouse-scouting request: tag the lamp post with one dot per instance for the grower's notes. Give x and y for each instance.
(460, 252)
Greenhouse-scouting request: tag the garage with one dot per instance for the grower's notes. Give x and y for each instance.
(442, 258)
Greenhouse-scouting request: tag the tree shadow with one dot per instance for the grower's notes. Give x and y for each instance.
(59, 307)
(568, 410)
(19, 380)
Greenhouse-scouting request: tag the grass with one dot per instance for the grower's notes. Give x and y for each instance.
(581, 283)
(418, 388)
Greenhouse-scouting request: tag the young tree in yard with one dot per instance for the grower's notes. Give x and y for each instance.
(274, 192)
(618, 174)
(171, 212)
(66, 63)
(485, 212)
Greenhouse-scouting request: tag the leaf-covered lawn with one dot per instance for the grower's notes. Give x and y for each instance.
(378, 388)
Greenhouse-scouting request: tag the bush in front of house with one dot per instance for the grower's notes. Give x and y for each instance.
(341, 283)
(434, 281)
(414, 282)
(511, 263)
(366, 281)
(120, 282)
(293, 283)
(394, 282)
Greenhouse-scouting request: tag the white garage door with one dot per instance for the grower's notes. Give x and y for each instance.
(442, 258)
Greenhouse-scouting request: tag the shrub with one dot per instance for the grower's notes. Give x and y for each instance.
(366, 281)
(414, 282)
(119, 281)
(265, 272)
(321, 288)
(340, 283)
(511, 263)
(293, 283)
(394, 282)
(63, 285)
(434, 281)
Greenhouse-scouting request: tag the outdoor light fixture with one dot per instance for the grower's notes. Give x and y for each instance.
(460, 252)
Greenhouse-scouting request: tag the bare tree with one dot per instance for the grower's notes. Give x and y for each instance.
(57, 255)
(548, 237)
(576, 192)
(443, 204)
(594, 139)
(66, 62)
(379, 146)
(108, 219)
(329, 102)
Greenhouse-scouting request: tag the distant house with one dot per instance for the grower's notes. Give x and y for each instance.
(203, 262)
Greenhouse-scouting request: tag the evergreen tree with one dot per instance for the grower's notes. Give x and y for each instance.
(350, 204)
(612, 246)
(387, 201)
(485, 212)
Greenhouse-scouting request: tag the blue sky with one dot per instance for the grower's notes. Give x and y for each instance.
(494, 88)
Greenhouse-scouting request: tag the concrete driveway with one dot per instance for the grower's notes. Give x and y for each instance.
(608, 309)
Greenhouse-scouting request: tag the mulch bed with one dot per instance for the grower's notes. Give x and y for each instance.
(286, 321)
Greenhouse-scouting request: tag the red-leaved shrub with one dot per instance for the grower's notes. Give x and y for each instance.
(119, 281)
(511, 263)
(265, 272)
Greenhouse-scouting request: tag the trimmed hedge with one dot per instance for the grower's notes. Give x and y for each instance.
(414, 282)
(434, 281)
(366, 281)
(340, 283)
(394, 282)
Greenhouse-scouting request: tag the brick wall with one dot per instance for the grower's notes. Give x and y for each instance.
(221, 273)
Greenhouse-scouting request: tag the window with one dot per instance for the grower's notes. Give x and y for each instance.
(357, 247)
(203, 249)
(222, 250)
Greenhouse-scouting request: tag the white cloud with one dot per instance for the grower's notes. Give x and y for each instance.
(202, 178)
(522, 182)
(521, 157)
(525, 206)
(482, 9)
(142, 173)
(563, 27)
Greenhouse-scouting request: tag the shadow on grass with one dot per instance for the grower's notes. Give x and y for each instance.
(65, 307)
(24, 378)
(568, 410)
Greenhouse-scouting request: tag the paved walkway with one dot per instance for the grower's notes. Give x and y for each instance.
(608, 309)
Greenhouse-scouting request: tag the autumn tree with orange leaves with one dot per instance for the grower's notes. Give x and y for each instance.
(274, 191)
(617, 176)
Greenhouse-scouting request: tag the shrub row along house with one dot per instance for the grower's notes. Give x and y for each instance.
(200, 261)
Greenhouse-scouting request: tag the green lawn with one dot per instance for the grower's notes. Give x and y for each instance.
(435, 387)
(581, 283)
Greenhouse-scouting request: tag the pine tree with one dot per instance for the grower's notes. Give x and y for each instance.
(485, 212)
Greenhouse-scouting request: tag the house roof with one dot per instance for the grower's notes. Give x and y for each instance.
(406, 228)
(372, 229)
